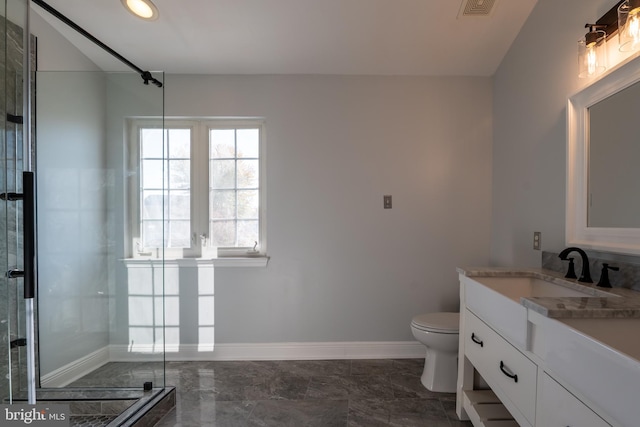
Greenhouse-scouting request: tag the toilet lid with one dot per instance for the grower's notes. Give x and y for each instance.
(439, 322)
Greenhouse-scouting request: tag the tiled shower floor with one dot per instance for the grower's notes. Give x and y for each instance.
(100, 406)
(91, 420)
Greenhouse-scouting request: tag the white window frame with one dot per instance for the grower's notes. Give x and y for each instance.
(200, 158)
(260, 248)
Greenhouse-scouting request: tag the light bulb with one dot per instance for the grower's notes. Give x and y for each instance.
(592, 59)
(592, 54)
(634, 27)
(629, 25)
(144, 9)
(140, 8)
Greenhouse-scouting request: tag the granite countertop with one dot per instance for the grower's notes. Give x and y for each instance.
(621, 302)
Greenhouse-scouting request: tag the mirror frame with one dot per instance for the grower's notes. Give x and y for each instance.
(577, 233)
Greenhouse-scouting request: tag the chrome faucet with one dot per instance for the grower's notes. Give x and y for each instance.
(585, 276)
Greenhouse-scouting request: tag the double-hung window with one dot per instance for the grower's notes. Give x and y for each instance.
(200, 189)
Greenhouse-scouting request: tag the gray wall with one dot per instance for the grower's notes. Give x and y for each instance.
(73, 268)
(530, 93)
(55, 53)
(73, 245)
(342, 268)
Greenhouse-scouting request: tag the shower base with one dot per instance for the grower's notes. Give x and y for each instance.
(100, 407)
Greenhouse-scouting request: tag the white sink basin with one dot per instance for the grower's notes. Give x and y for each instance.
(526, 287)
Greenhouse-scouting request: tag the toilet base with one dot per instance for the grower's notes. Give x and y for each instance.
(440, 372)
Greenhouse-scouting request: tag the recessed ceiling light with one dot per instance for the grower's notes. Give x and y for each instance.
(144, 9)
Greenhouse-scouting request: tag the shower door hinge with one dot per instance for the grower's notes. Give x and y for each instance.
(15, 119)
(20, 342)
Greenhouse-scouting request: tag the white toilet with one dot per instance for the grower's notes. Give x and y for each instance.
(439, 333)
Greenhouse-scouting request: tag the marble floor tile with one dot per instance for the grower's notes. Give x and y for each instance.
(371, 367)
(328, 387)
(246, 368)
(370, 386)
(409, 386)
(295, 413)
(192, 381)
(324, 393)
(280, 387)
(449, 405)
(210, 413)
(239, 387)
(418, 413)
(314, 368)
(408, 366)
(369, 412)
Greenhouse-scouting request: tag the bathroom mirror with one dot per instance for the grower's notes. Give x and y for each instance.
(614, 152)
(603, 177)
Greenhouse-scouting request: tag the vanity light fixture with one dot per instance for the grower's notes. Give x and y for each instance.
(144, 9)
(629, 25)
(592, 51)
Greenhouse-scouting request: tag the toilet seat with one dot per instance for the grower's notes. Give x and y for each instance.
(443, 323)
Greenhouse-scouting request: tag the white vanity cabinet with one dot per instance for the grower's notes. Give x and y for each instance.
(559, 408)
(510, 358)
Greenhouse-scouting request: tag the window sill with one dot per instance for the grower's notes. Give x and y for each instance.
(261, 261)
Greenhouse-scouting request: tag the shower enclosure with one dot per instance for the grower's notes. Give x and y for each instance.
(98, 323)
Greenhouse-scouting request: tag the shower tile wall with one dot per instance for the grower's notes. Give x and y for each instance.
(11, 156)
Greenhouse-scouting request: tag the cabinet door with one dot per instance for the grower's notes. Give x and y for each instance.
(559, 408)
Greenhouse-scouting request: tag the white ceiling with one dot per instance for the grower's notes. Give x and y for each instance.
(370, 37)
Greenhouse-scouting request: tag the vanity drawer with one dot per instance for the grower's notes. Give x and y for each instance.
(508, 372)
(559, 408)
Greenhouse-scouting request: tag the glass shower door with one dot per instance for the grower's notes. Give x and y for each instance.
(90, 304)
(85, 299)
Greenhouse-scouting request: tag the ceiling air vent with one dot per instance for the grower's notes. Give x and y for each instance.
(476, 7)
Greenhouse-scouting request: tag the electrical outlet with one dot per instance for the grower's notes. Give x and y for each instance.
(537, 236)
(387, 201)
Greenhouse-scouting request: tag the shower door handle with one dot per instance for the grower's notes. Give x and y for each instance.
(14, 274)
(29, 226)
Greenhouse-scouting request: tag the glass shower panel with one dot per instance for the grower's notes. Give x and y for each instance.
(92, 309)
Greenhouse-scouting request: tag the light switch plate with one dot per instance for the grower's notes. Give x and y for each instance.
(387, 202)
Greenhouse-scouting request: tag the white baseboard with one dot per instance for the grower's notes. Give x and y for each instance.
(76, 369)
(273, 351)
